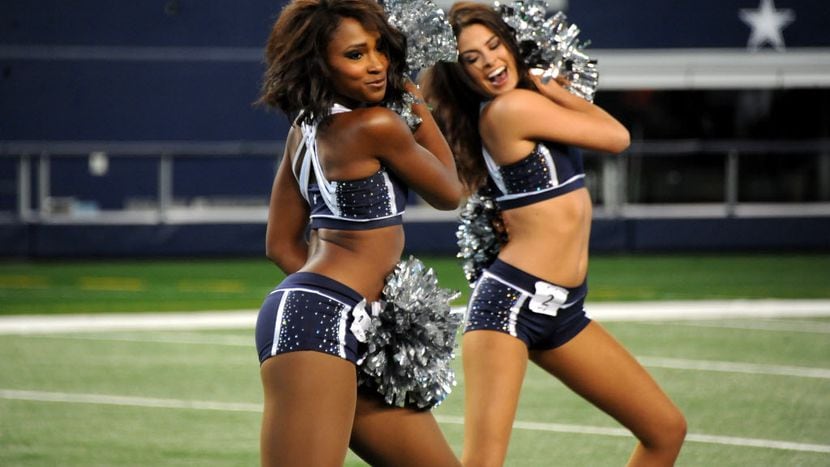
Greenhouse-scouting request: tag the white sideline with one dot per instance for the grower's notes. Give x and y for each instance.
(707, 309)
(246, 319)
(37, 324)
(130, 401)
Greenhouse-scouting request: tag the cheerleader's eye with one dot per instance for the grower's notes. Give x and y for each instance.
(353, 55)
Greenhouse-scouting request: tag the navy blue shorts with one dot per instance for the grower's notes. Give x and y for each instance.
(541, 314)
(307, 311)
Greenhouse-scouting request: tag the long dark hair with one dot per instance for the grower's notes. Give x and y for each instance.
(456, 100)
(297, 76)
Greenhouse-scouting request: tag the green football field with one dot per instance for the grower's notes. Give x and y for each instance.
(755, 390)
(178, 285)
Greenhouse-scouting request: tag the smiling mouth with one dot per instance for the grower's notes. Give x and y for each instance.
(499, 76)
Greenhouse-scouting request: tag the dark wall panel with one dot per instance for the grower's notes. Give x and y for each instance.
(15, 240)
(115, 100)
(145, 22)
(633, 235)
(137, 241)
(658, 24)
(756, 234)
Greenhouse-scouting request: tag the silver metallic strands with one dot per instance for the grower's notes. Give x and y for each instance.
(550, 46)
(480, 234)
(429, 37)
(411, 342)
(404, 109)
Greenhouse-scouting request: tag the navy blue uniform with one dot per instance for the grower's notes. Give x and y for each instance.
(550, 170)
(309, 311)
(509, 300)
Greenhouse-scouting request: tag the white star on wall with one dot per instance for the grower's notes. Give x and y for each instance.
(766, 23)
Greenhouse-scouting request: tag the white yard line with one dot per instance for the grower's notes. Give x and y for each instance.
(150, 338)
(735, 367)
(651, 362)
(85, 327)
(128, 401)
(758, 324)
(693, 437)
(246, 319)
(707, 309)
(36, 324)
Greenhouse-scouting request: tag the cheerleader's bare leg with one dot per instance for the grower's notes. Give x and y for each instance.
(494, 369)
(308, 412)
(598, 368)
(391, 436)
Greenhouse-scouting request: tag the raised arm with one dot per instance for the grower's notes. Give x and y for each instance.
(285, 241)
(428, 134)
(554, 114)
(423, 160)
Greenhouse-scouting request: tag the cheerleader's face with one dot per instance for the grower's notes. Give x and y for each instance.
(357, 64)
(487, 60)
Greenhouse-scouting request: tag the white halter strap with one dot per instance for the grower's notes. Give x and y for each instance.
(311, 161)
(492, 167)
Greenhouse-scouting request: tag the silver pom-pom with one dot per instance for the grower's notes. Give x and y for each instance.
(410, 343)
(480, 234)
(550, 46)
(404, 109)
(429, 37)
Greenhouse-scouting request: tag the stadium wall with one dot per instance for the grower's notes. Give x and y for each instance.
(189, 70)
(41, 241)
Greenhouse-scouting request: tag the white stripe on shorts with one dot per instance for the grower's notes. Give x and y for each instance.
(278, 324)
(471, 301)
(514, 314)
(281, 307)
(509, 284)
(514, 310)
(341, 334)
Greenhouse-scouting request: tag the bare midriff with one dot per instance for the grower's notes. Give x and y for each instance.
(360, 259)
(549, 239)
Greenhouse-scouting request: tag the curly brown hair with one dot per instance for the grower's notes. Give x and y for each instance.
(297, 76)
(456, 100)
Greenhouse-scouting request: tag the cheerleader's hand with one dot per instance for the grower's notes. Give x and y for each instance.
(411, 107)
(557, 90)
(549, 89)
(412, 88)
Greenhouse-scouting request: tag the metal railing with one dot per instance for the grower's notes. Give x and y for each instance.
(34, 166)
(37, 155)
(616, 178)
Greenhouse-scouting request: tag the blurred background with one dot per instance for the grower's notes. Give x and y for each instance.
(127, 128)
(135, 174)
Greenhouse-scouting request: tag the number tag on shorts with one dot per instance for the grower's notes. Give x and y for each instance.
(548, 298)
(363, 319)
(361, 322)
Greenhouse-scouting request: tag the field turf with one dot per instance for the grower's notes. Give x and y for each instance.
(755, 391)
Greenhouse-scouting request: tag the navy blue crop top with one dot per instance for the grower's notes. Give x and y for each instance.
(550, 170)
(378, 200)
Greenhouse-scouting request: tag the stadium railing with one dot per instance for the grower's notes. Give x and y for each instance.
(28, 196)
